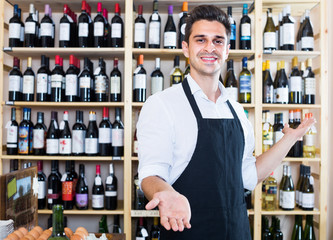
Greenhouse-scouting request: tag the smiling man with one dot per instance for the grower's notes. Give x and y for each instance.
(196, 145)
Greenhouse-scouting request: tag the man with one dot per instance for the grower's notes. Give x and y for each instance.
(196, 145)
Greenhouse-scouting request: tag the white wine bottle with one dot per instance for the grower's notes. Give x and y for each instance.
(269, 33)
(309, 144)
(230, 82)
(298, 186)
(288, 30)
(176, 75)
(245, 83)
(270, 200)
(295, 81)
(268, 87)
(288, 192)
(308, 196)
(267, 131)
(283, 180)
(282, 87)
(306, 34)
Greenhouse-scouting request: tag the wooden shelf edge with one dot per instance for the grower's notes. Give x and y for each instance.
(85, 212)
(145, 213)
(290, 106)
(289, 159)
(63, 104)
(63, 158)
(297, 211)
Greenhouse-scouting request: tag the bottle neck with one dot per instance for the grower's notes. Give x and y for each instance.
(58, 221)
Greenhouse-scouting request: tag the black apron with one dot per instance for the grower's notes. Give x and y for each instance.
(212, 181)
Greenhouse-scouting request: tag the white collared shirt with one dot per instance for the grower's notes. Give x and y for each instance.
(167, 132)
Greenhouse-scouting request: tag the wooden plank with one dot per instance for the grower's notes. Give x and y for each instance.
(291, 106)
(64, 158)
(2, 20)
(289, 55)
(63, 104)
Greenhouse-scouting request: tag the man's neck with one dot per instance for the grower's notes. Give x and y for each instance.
(209, 85)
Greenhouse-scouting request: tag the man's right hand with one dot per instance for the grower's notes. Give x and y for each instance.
(175, 211)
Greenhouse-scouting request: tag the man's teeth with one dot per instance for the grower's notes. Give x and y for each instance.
(205, 58)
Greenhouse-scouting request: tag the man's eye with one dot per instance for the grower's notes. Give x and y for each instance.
(200, 40)
(220, 42)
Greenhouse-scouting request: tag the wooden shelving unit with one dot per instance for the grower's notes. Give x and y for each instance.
(126, 55)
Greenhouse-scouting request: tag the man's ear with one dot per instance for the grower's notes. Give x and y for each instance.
(185, 48)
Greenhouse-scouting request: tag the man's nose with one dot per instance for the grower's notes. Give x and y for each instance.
(210, 47)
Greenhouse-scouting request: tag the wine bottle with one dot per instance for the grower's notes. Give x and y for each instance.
(65, 137)
(135, 144)
(288, 30)
(139, 197)
(58, 232)
(308, 198)
(155, 27)
(65, 30)
(182, 24)
(297, 149)
(291, 125)
(82, 193)
(15, 29)
(157, 78)
(297, 229)
(298, 187)
(245, 83)
(277, 127)
(111, 186)
(268, 86)
(170, 33)
(41, 186)
(277, 235)
(36, 17)
(298, 36)
(28, 90)
(155, 230)
(57, 76)
(140, 30)
(309, 232)
(22, 29)
(282, 87)
(71, 88)
(39, 135)
(295, 94)
(309, 84)
(75, 180)
(267, 131)
(117, 29)
(245, 30)
(101, 83)
(85, 27)
(104, 133)
(270, 200)
(67, 187)
(230, 81)
(115, 83)
(79, 133)
(309, 145)
(47, 29)
(74, 29)
(139, 82)
(233, 29)
(30, 28)
(54, 186)
(24, 133)
(107, 30)
(141, 231)
(276, 80)
(12, 134)
(98, 191)
(117, 135)
(103, 225)
(52, 137)
(269, 33)
(283, 180)
(86, 82)
(91, 138)
(42, 80)
(188, 67)
(280, 31)
(288, 192)
(116, 226)
(307, 40)
(177, 74)
(49, 89)
(15, 81)
(99, 26)
(266, 234)
(13, 165)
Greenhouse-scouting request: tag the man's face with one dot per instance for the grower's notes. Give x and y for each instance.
(208, 47)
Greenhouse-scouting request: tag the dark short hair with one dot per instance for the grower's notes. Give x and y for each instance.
(209, 13)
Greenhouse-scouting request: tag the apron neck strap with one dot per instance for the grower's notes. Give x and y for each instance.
(191, 99)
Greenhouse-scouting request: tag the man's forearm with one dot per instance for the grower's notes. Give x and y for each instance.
(154, 184)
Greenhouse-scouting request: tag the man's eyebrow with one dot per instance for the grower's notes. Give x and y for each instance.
(202, 35)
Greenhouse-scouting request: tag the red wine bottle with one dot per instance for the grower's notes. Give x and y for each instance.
(47, 63)
(116, 226)
(154, 40)
(28, 88)
(39, 135)
(104, 133)
(157, 78)
(182, 24)
(54, 187)
(101, 82)
(85, 34)
(67, 187)
(65, 31)
(65, 137)
(79, 133)
(75, 179)
(52, 137)
(170, 33)
(140, 30)
(12, 134)
(57, 76)
(22, 29)
(98, 191)
(25, 133)
(15, 29)
(139, 82)
(118, 135)
(15, 81)
(115, 83)
(82, 193)
(47, 29)
(72, 83)
(107, 32)
(117, 29)
(91, 140)
(111, 186)
(42, 80)
(86, 82)
(30, 28)
(99, 27)
(41, 186)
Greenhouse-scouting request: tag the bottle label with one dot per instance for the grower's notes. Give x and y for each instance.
(83, 29)
(41, 189)
(78, 141)
(297, 197)
(170, 39)
(23, 140)
(282, 95)
(97, 201)
(176, 79)
(295, 84)
(91, 145)
(309, 140)
(288, 199)
(182, 28)
(116, 30)
(135, 147)
(98, 29)
(245, 84)
(46, 29)
(82, 199)
(269, 40)
(52, 146)
(246, 31)
(49, 85)
(277, 136)
(232, 93)
(28, 84)
(154, 32)
(308, 200)
(140, 81)
(307, 42)
(267, 136)
(30, 28)
(280, 197)
(65, 146)
(71, 85)
(100, 84)
(233, 32)
(14, 30)
(64, 31)
(310, 86)
(52, 196)
(111, 193)
(115, 85)
(117, 137)
(22, 34)
(156, 84)
(140, 32)
(12, 134)
(38, 138)
(67, 190)
(56, 80)
(42, 82)
(85, 82)
(14, 83)
(104, 135)
(269, 93)
(288, 33)
(277, 40)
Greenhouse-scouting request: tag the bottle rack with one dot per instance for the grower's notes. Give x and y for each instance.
(129, 108)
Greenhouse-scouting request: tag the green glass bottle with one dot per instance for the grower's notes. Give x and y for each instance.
(268, 87)
(245, 83)
(266, 234)
(309, 233)
(177, 74)
(298, 229)
(269, 33)
(267, 131)
(277, 235)
(281, 185)
(58, 232)
(103, 226)
(288, 192)
(308, 197)
(298, 186)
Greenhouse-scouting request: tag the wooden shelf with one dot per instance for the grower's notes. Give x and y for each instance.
(297, 211)
(145, 213)
(245, 105)
(63, 104)
(298, 7)
(289, 159)
(63, 158)
(288, 55)
(290, 106)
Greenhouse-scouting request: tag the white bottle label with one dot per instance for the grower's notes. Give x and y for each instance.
(56, 81)
(282, 95)
(309, 140)
(64, 32)
(65, 146)
(289, 33)
(28, 84)
(52, 146)
(46, 29)
(78, 141)
(116, 30)
(115, 85)
(38, 138)
(85, 82)
(308, 200)
(246, 31)
(170, 39)
(307, 42)
(310, 86)
(280, 197)
(111, 193)
(288, 199)
(140, 81)
(41, 189)
(12, 134)
(245, 84)
(154, 32)
(182, 28)
(98, 29)
(156, 84)
(295, 84)
(97, 201)
(117, 137)
(277, 136)
(140, 32)
(232, 93)
(104, 135)
(269, 40)
(30, 28)
(42, 83)
(14, 83)
(100, 84)
(15, 30)
(91, 145)
(83, 29)
(71, 85)
(281, 36)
